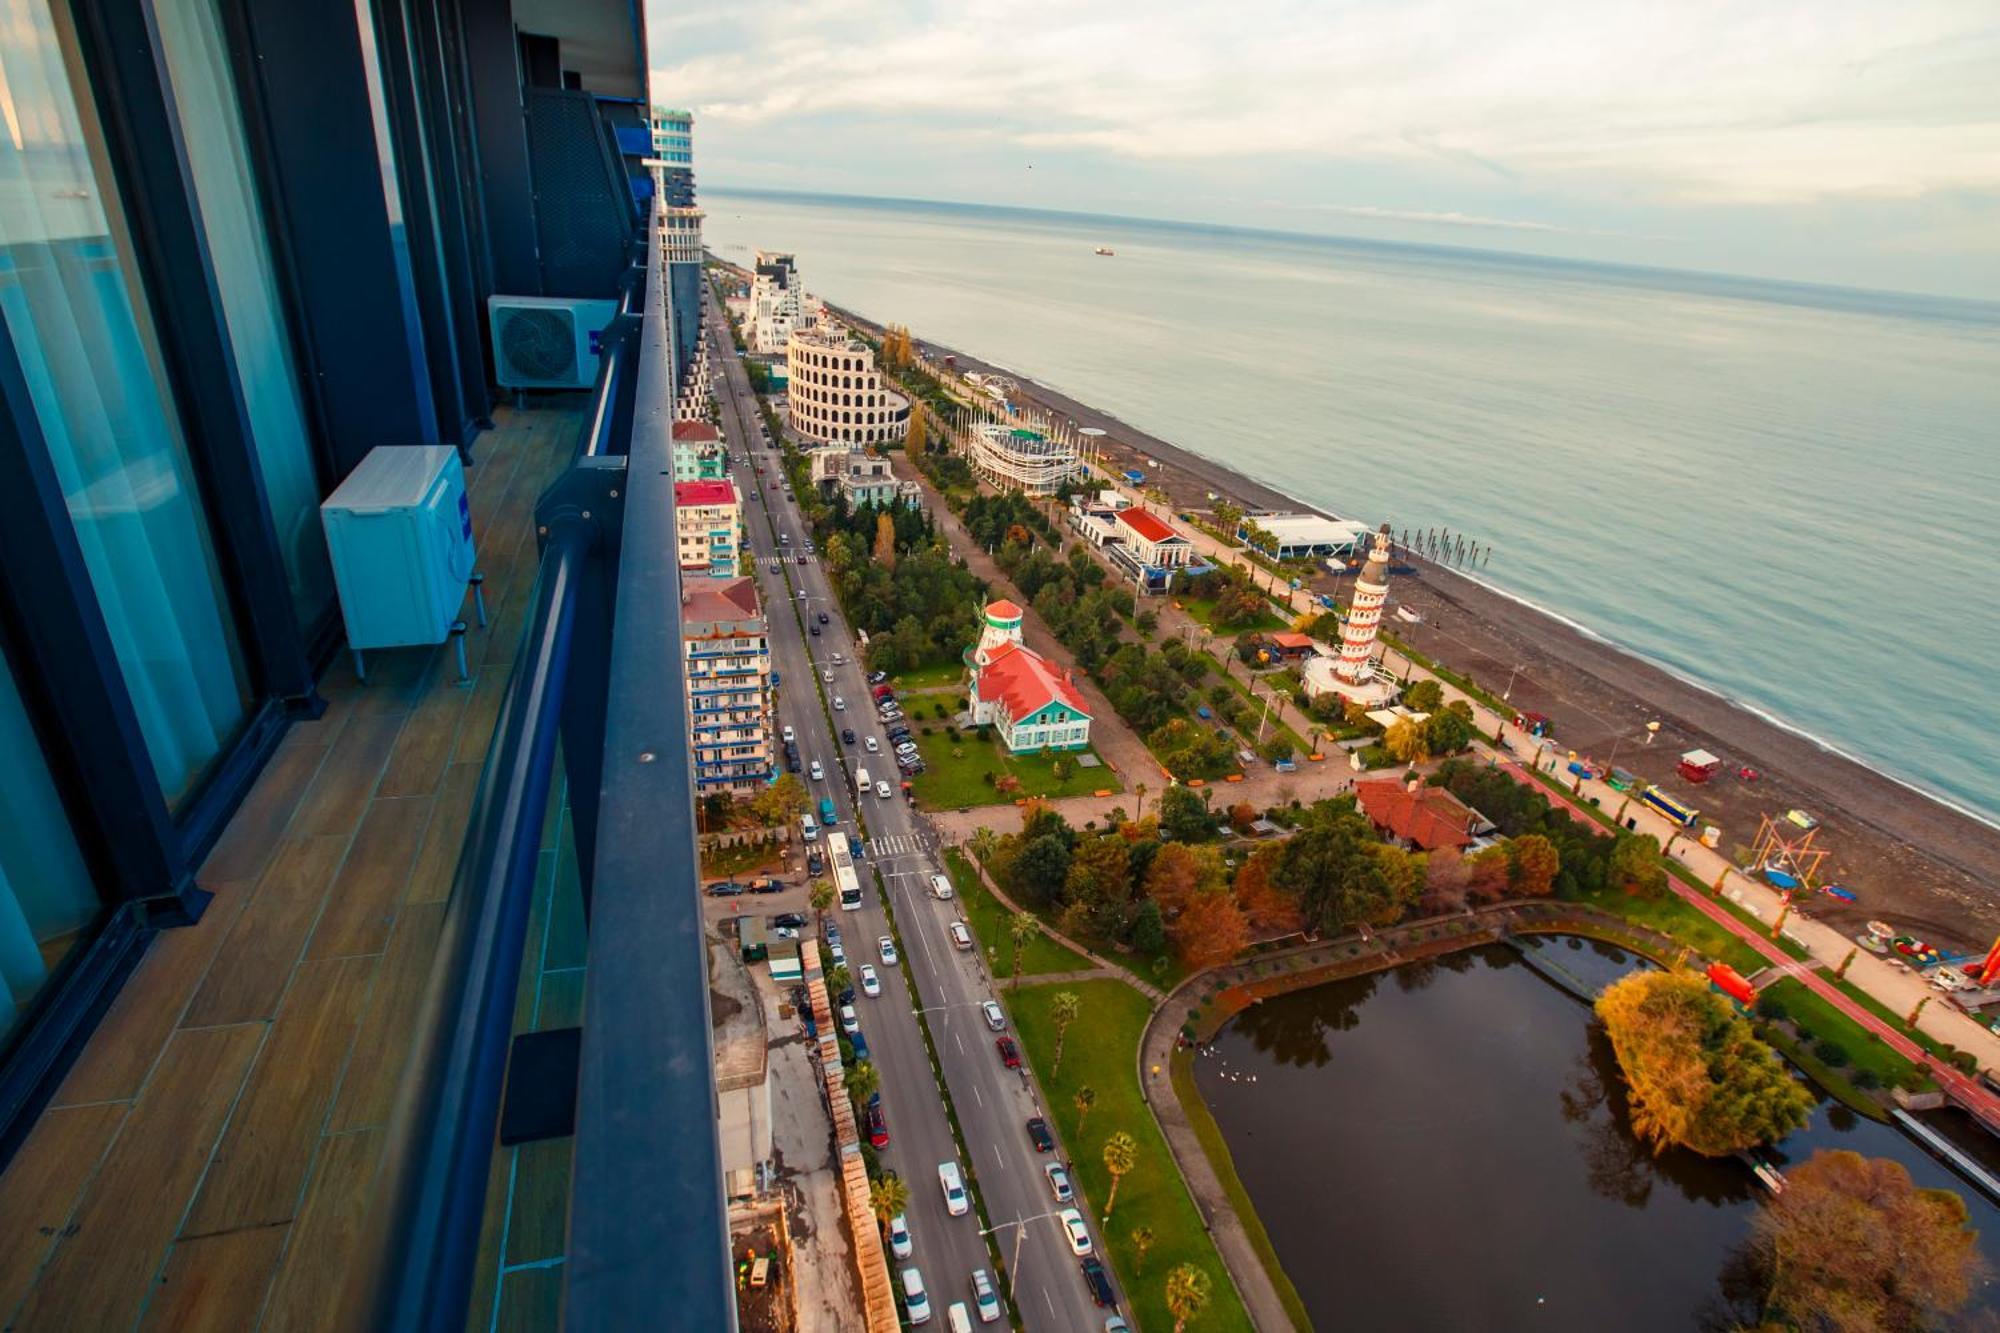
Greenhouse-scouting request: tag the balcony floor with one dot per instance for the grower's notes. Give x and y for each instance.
(208, 1162)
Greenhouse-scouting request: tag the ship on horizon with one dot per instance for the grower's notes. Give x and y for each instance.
(1104, 250)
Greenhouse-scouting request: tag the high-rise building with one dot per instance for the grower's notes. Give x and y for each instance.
(778, 304)
(836, 394)
(267, 973)
(708, 519)
(673, 149)
(723, 634)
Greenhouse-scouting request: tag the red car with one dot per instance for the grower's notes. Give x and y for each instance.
(1010, 1054)
(878, 1123)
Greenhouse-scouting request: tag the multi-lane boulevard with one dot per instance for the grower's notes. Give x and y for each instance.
(993, 1103)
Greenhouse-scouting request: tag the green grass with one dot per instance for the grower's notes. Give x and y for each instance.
(1818, 1020)
(956, 782)
(1203, 610)
(988, 918)
(937, 676)
(1672, 916)
(1212, 1144)
(1883, 1012)
(1102, 1050)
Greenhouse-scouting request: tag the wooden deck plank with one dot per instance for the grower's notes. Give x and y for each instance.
(492, 1227)
(340, 793)
(395, 681)
(424, 747)
(538, 1222)
(135, 1029)
(251, 838)
(313, 1273)
(256, 959)
(530, 1301)
(444, 837)
(262, 1161)
(102, 1269)
(40, 1189)
(368, 1093)
(214, 1284)
(372, 881)
(475, 732)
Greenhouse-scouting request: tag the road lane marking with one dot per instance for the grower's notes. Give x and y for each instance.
(975, 1092)
(1049, 1301)
(998, 1159)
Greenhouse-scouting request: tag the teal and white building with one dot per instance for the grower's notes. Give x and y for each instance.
(1031, 702)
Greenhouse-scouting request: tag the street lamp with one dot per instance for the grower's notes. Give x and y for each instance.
(1020, 1225)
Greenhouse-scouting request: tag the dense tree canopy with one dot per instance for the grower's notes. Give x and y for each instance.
(1697, 1076)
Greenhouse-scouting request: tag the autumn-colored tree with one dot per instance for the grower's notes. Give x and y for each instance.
(1017, 534)
(1697, 1075)
(1404, 740)
(1209, 930)
(1853, 1244)
(1242, 815)
(1188, 1290)
(1266, 906)
(885, 541)
(1100, 872)
(916, 437)
(1447, 878)
(1179, 872)
(1402, 871)
(781, 802)
(1487, 875)
(1532, 863)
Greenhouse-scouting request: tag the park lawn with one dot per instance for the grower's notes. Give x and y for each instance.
(958, 782)
(1203, 610)
(1818, 1019)
(1672, 916)
(1883, 1012)
(988, 918)
(1102, 1050)
(937, 676)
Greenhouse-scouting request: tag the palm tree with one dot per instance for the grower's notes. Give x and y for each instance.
(1121, 1154)
(1142, 1242)
(821, 898)
(1062, 1012)
(889, 1196)
(1020, 930)
(1187, 1294)
(983, 842)
(1086, 1097)
(1139, 790)
(863, 1081)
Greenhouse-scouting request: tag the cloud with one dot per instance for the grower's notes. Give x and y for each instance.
(1455, 219)
(1697, 102)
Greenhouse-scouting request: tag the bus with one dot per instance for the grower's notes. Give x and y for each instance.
(845, 882)
(1662, 804)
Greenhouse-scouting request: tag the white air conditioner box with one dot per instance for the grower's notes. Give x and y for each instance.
(546, 342)
(399, 530)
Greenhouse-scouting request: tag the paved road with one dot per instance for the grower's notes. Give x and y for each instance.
(993, 1103)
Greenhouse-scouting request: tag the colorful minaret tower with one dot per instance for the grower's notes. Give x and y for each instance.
(1364, 614)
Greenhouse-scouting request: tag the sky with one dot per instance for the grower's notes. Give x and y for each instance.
(1824, 141)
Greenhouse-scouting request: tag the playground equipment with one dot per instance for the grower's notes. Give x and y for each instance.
(1786, 856)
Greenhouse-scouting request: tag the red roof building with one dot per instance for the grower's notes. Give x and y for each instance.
(1292, 644)
(699, 494)
(1032, 702)
(1424, 818)
(695, 432)
(1145, 525)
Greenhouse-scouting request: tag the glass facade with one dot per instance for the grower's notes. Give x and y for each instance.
(84, 336)
(191, 37)
(46, 894)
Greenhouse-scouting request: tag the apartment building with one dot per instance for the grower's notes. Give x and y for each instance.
(728, 656)
(708, 523)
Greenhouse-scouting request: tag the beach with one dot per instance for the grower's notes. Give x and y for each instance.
(1911, 860)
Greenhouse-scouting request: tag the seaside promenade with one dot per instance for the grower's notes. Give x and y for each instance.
(1897, 989)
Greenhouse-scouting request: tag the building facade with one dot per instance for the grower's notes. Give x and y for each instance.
(1015, 458)
(680, 240)
(863, 478)
(1029, 701)
(673, 148)
(708, 519)
(1354, 674)
(728, 664)
(1147, 550)
(777, 303)
(836, 394)
(699, 454)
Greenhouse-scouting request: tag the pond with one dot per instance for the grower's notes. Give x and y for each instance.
(1447, 1146)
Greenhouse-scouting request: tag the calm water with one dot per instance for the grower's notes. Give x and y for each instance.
(1710, 472)
(1446, 1146)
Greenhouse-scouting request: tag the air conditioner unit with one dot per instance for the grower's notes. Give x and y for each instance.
(546, 342)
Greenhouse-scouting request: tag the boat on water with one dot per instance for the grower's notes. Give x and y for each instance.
(1104, 250)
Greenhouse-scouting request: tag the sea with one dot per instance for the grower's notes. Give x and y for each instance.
(1787, 494)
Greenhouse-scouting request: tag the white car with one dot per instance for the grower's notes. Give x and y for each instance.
(914, 1300)
(995, 1019)
(1059, 1184)
(838, 659)
(818, 773)
(953, 1186)
(882, 791)
(888, 948)
(871, 985)
(849, 1022)
(940, 887)
(839, 704)
(871, 745)
(899, 1237)
(1075, 1232)
(789, 737)
(984, 1298)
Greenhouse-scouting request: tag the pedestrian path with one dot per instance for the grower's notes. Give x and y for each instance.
(895, 844)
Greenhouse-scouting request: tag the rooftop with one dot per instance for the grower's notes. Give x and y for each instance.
(705, 605)
(692, 493)
(1022, 680)
(695, 432)
(1429, 817)
(1147, 525)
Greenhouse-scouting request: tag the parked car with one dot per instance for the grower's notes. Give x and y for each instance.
(788, 919)
(815, 863)
(916, 1303)
(877, 677)
(1099, 1282)
(1010, 1054)
(953, 1186)
(1075, 1232)
(878, 1122)
(899, 1237)
(724, 888)
(990, 1009)
(849, 1023)
(871, 985)
(1059, 1185)
(1038, 1134)
(766, 884)
(961, 938)
(789, 737)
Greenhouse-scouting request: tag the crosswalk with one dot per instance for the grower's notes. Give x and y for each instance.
(897, 844)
